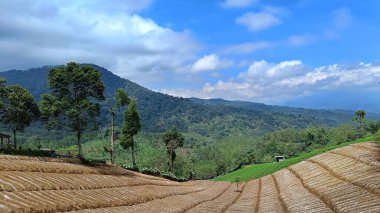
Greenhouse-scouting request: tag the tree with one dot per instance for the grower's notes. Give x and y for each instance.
(172, 140)
(360, 118)
(121, 99)
(131, 126)
(73, 102)
(18, 109)
(2, 92)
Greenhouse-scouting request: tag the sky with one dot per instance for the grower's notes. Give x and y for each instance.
(304, 53)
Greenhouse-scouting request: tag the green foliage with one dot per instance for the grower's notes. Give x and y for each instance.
(149, 171)
(372, 126)
(18, 109)
(131, 126)
(74, 90)
(376, 136)
(132, 168)
(171, 176)
(259, 170)
(360, 119)
(122, 99)
(210, 118)
(172, 140)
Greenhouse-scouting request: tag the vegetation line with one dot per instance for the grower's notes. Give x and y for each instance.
(279, 197)
(237, 198)
(311, 190)
(340, 177)
(258, 197)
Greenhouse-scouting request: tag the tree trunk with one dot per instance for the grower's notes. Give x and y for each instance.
(171, 161)
(112, 137)
(14, 139)
(79, 135)
(133, 154)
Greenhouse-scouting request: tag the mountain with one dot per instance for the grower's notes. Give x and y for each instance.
(338, 114)
(215, 117)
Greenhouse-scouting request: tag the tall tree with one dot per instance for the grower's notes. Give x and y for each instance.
(360, 118)
(2, 92)
(131, 126)
(172, 140)
(18, 108)
(121, 99)
(73, 102)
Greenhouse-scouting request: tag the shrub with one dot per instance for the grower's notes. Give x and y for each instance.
(132, 168)
(149, 171)
(376, 136)
(169, 176)
(182, 179)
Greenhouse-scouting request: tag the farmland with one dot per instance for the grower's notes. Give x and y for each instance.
(346, 179)
(259, 170)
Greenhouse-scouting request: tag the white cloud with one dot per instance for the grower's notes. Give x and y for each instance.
(288, 80)
(238, 3)
(298, 40)
(342, 17)
(105, 33)
(258, 21)
(210, 63)
(246, 48)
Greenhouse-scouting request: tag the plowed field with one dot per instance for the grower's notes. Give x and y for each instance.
(343, 180)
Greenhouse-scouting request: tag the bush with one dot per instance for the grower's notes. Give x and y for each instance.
(26, 152)
(376, 136)
(148, 171)
(132, 168)
(171, 176)
(182, 179)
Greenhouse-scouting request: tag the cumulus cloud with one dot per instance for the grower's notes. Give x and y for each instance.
(246, 48)
(288, 80)
(258, 21)
(210, 63)
(238, 3)
(106, 33)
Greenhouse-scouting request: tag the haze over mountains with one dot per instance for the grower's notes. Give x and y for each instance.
(216, 117)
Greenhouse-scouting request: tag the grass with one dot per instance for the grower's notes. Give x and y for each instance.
(259, 170)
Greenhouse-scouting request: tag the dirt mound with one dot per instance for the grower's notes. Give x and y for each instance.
(343, 180)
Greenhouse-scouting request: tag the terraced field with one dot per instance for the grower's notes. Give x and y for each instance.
(343, 180)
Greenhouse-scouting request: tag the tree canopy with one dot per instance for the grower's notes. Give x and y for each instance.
(75, 90)
(121, 99)
(131, 126)
(18, 109)
(172, 140)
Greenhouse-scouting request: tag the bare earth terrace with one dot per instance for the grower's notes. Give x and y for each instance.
(343, 180)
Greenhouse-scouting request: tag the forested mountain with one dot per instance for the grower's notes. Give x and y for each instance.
(215, 117)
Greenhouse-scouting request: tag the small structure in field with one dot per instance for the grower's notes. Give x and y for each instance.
(4, 137)
(279, 158)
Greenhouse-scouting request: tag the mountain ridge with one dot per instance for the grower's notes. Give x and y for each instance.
(216, 117)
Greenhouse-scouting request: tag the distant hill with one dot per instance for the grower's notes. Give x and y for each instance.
(215, 117)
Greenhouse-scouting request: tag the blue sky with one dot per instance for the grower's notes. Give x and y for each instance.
(308, 53)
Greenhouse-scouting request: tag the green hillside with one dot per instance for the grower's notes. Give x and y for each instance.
(205, 117)
(251, 172)
(219, 135)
